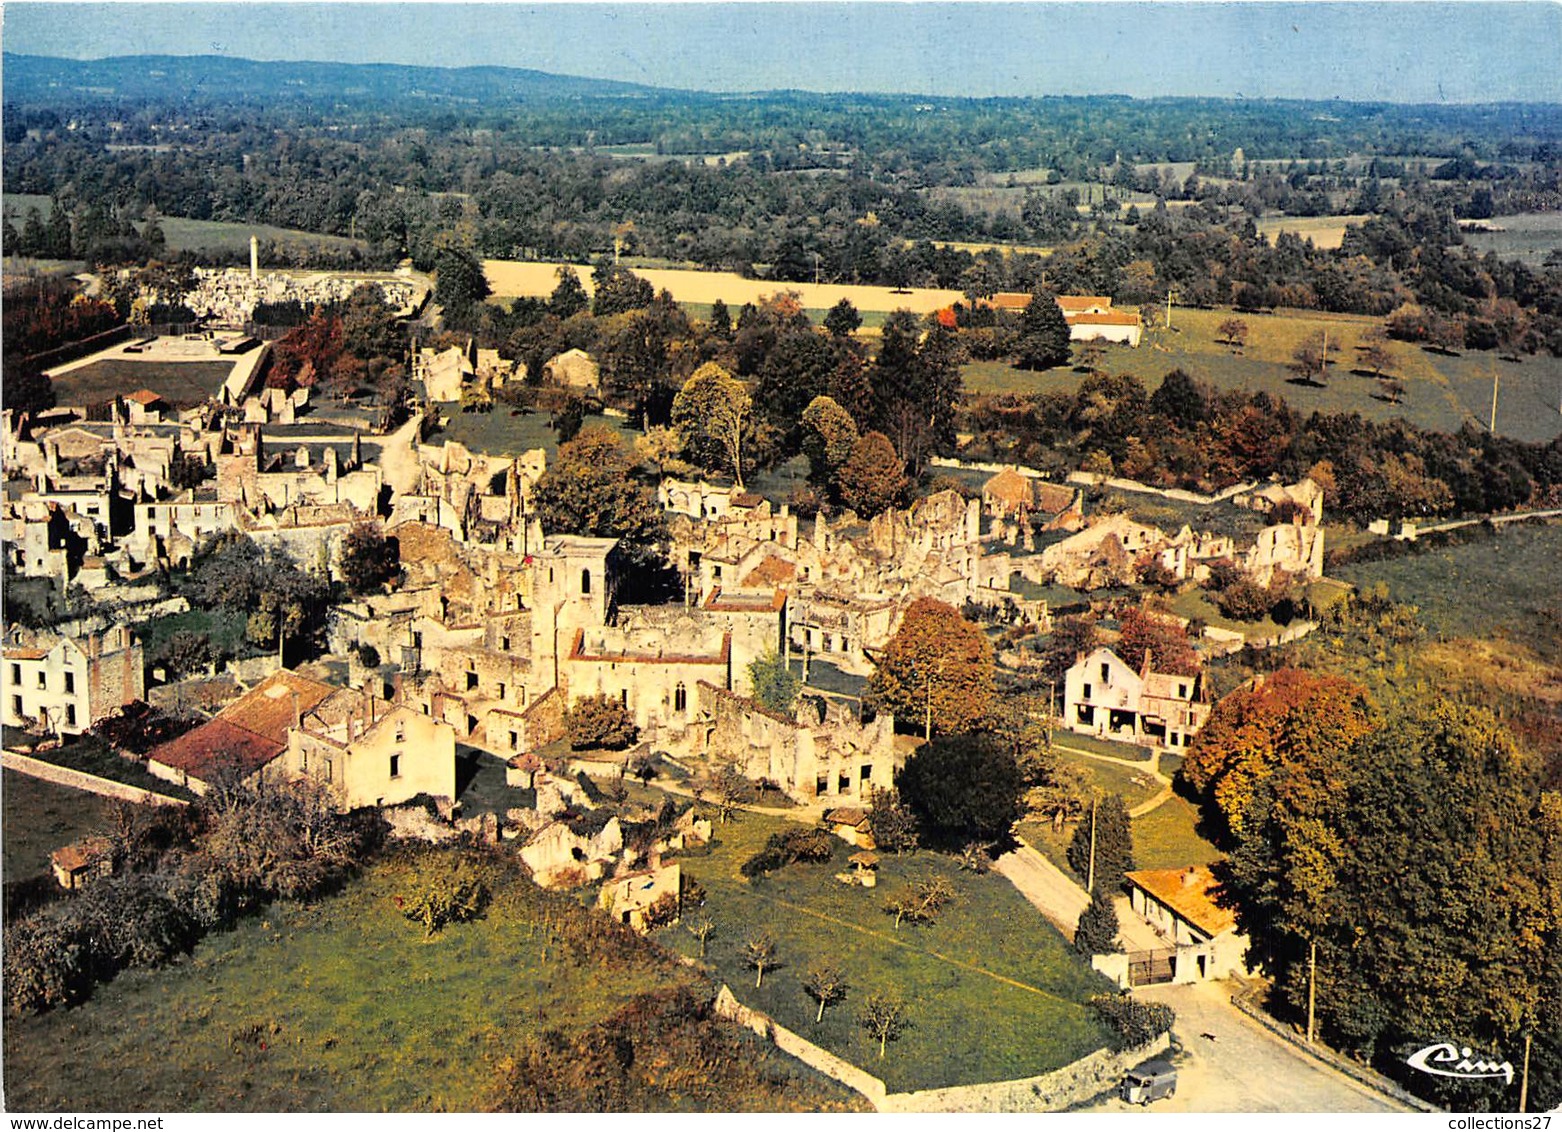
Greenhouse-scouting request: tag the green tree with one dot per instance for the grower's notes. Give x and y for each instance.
(775, 685)
(619, 290)
(829, 435)
(936, 671)
(842, 320)
(872, 477)
(599, 721)
(459, 282)
(1114, 844)
(589, 491)
(24, 388)
(569, 296)
(712, 413)
(1043, 338)
(962, 788)
(370, 559)
(1096, 933)
(890, 821)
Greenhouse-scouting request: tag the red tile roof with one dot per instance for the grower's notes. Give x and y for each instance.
(267, 708)
(1104, 318)
(216, 746)
(143, 397)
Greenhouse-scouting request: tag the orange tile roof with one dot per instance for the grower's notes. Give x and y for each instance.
(773, 571)
(80, 854)
(267, 709)
(26, 654)
(143, 397)
(1010, 301)
(1104, 318)
(1083, 302)
(1190, 893)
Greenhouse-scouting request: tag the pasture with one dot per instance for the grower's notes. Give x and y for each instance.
(515, 278)
(40, 817)
(991, 990)
(1528, 236)
(1326, 232)
(340, 1005)
(1441, 391)
(203, 235)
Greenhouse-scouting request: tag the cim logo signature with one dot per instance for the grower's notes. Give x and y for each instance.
(1445, 1060)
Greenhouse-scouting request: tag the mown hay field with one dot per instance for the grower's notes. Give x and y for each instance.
(515, 278)
(181, 384)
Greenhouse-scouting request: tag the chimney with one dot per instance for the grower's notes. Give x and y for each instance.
(297, 714)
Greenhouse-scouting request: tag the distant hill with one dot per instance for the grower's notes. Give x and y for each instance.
(31, 78)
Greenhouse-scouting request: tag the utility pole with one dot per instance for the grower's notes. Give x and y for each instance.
(1090, 878)
(928, 728)
(1524, 1078)
(1171, 297)
(1494, 379)
(1312, 986)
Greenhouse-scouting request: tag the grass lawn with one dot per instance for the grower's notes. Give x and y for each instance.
(223, 628)
(1501, 585)
(40, 817)
(357, 1010)
(501, 434)
(992, 991)
(92, 756)
(1441, 392)
(1130, 751)
(1168, 837)
(181, 384)
(1196, 605)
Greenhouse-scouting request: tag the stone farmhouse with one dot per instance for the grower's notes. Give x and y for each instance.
(574, 369)
(446, 373)
(1184, 906)
(1103, 696)
(371, 753)
(1089, 317)
(64, 685)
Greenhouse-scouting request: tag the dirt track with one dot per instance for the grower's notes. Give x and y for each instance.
(512, 278)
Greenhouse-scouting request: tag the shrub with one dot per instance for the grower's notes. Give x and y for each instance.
(449, 896)
(599, 721)
(1244, 601)
(786, 848)
(1133, 1023)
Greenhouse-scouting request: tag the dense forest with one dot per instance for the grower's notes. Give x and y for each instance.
(793, 186)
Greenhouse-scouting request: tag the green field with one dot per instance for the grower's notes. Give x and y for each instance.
(500, 433)
(1441, 392)
(1168, 837)
(181, 384)
(40, 817)
(1503, 585)
(1527, 236)
(992, 991)
(204, 235)
(342, 1005)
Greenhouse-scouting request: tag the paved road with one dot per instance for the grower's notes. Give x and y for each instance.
(1244, 1068)
(1046, 886)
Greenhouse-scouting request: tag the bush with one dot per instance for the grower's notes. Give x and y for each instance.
(786, 848)
(599, 721)
(1133, 1023)
(1242, 600)
(451, 896)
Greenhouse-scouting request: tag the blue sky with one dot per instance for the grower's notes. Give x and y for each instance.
(1398, 51)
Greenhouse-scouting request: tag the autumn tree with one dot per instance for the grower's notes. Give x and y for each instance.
(872, 477)
(599, 721)
(937, 670)
(1044, 335)
(1233, 332)
(759, 952)
(589, 491)
(963, 788)
(1290, 716)
(828, 436)
(1310, 360)
(1164, 641)
(826, 984)
(24, 387)
(884, 1019)
(712, 413)
(891, 821)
